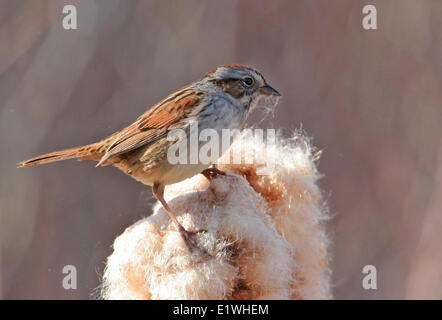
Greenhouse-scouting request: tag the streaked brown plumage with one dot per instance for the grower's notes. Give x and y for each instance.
(220, 100)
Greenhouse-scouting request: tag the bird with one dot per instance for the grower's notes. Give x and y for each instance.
(221, 99)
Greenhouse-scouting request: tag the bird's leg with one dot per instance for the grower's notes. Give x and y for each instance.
(158, 192)
(212, 172)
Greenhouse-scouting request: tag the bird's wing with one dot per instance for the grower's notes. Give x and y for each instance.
(154, 123)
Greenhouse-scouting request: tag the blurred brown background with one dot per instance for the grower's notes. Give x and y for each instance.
(371, 99)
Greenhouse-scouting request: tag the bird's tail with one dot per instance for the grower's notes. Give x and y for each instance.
(88, 152)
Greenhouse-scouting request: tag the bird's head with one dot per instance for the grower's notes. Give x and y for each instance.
(242, 82)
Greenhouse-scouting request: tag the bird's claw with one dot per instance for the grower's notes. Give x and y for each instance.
(189, 239)
(212, 173)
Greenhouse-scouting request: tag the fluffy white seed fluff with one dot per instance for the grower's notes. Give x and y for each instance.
(264, 235)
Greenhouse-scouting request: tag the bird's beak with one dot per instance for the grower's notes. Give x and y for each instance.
(268, 91)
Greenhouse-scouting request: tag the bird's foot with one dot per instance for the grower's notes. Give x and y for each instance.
(212, 172)
(189, 239)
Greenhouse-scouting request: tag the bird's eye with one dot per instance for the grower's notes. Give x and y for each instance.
(247, 81)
